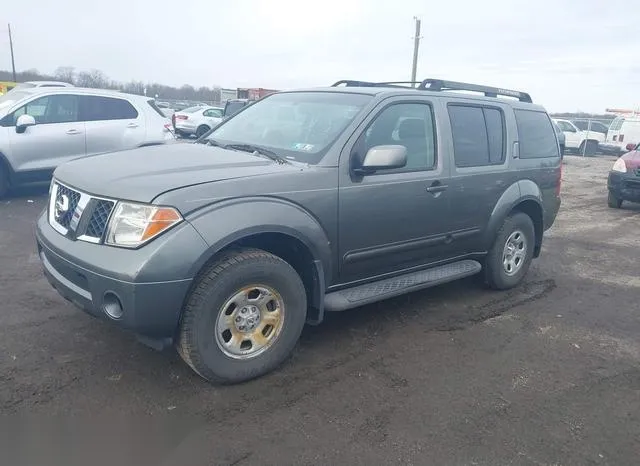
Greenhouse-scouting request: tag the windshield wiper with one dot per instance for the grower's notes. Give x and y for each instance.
(259, 150)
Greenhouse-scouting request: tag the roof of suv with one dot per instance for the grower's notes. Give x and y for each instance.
(83, 90)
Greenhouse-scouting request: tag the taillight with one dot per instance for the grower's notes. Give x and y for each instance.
(182, 117)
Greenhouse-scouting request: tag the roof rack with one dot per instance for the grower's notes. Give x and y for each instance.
(350, 83)
(440, 85)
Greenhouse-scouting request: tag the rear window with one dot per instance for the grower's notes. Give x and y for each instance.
(536, 135)
(191, 109)
(616, 124)
(96, 108)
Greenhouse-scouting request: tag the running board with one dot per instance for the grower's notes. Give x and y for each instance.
(390, 287)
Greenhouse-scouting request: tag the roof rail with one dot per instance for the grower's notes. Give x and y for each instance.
(351, 83)
(441, 85)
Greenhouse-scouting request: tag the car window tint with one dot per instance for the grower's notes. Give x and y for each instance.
(95, 108)
(409, 125)
(51, 109)
(535, 134)
(495, 133)
(470, 142)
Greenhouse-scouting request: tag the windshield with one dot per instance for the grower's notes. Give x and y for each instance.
(297, 125)
(234, 107)
(10, 98)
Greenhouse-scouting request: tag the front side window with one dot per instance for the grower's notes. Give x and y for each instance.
(297, 125)
(51, 109)
(213, 112)
(565, 126)
(96, 108)
(478, 135)
(535, 134)
(410, 125)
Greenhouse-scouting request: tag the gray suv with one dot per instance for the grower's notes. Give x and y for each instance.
(42, 127)
(305, 202)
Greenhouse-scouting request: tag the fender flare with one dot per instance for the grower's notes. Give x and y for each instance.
(517, 193)
(229, 221)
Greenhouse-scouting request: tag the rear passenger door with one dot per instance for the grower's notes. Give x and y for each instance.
(111, 124)
(481, 139)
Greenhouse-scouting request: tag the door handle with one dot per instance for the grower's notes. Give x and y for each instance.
(437, 187)
(73, 131)
(132, 125)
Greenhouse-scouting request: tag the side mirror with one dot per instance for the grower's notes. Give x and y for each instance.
(631, 147)
(383, 158)
(24, 121)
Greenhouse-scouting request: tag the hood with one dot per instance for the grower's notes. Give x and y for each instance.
(632, 160)
(144, 173)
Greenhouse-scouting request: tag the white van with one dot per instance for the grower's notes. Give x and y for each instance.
(624, 130)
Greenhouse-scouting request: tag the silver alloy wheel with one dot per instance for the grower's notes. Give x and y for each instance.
(514, 253)
(250, 322)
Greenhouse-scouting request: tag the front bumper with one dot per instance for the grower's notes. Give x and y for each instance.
(624, 186)
(150, 283)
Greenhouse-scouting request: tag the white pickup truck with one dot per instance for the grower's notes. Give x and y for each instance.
(577, 140)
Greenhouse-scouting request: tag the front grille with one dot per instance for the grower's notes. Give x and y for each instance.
(78, 215)
(99, 218)
(65, 205)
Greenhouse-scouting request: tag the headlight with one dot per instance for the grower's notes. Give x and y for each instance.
(620, 166)
(132, 225)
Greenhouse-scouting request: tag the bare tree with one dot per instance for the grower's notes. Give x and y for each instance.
(93, 78)
(66, 74)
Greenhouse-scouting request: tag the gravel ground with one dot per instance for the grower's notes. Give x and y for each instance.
(546, 374)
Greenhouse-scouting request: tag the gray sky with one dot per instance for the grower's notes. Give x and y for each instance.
(570, 55)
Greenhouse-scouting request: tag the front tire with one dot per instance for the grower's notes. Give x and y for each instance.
(510, 257)
(243, 317)
(202, 130)
(613, 201)
(4, 181)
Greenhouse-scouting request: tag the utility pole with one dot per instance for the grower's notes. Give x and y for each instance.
(416, 45)
(13, 63)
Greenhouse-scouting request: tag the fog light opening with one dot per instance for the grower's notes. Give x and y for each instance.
(112, 306)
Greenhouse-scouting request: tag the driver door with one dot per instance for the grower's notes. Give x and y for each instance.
(57, 136)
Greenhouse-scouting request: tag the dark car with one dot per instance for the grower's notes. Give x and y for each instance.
(561, 137)
(624, 178)
(304, 202)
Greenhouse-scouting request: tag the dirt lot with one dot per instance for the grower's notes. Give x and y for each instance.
(546, 374)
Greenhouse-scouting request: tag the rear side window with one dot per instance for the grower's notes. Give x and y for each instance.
(535, 134)
(96, 108)
(478, 135)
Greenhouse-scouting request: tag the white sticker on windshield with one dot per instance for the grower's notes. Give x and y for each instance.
(304, 147)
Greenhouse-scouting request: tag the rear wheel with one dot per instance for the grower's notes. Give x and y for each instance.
(588, 147)
(201, 130)
(613, 201)
(510, 257)
(4, 180)
(243, 318)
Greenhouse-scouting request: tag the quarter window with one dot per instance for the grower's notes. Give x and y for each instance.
(410, 125)
(535, 134)
(478, 135)
(95, 108)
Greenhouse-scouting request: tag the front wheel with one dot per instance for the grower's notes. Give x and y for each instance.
(613, 201)
(510, 256)
(243, 317)
(201, 130)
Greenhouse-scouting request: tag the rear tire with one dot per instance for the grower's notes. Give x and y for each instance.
(510, 256)
(224, 333)
(4, 180)
(201, 130)
(613, 201)
(590, 149)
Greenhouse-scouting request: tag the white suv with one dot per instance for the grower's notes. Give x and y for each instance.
(41, 128)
